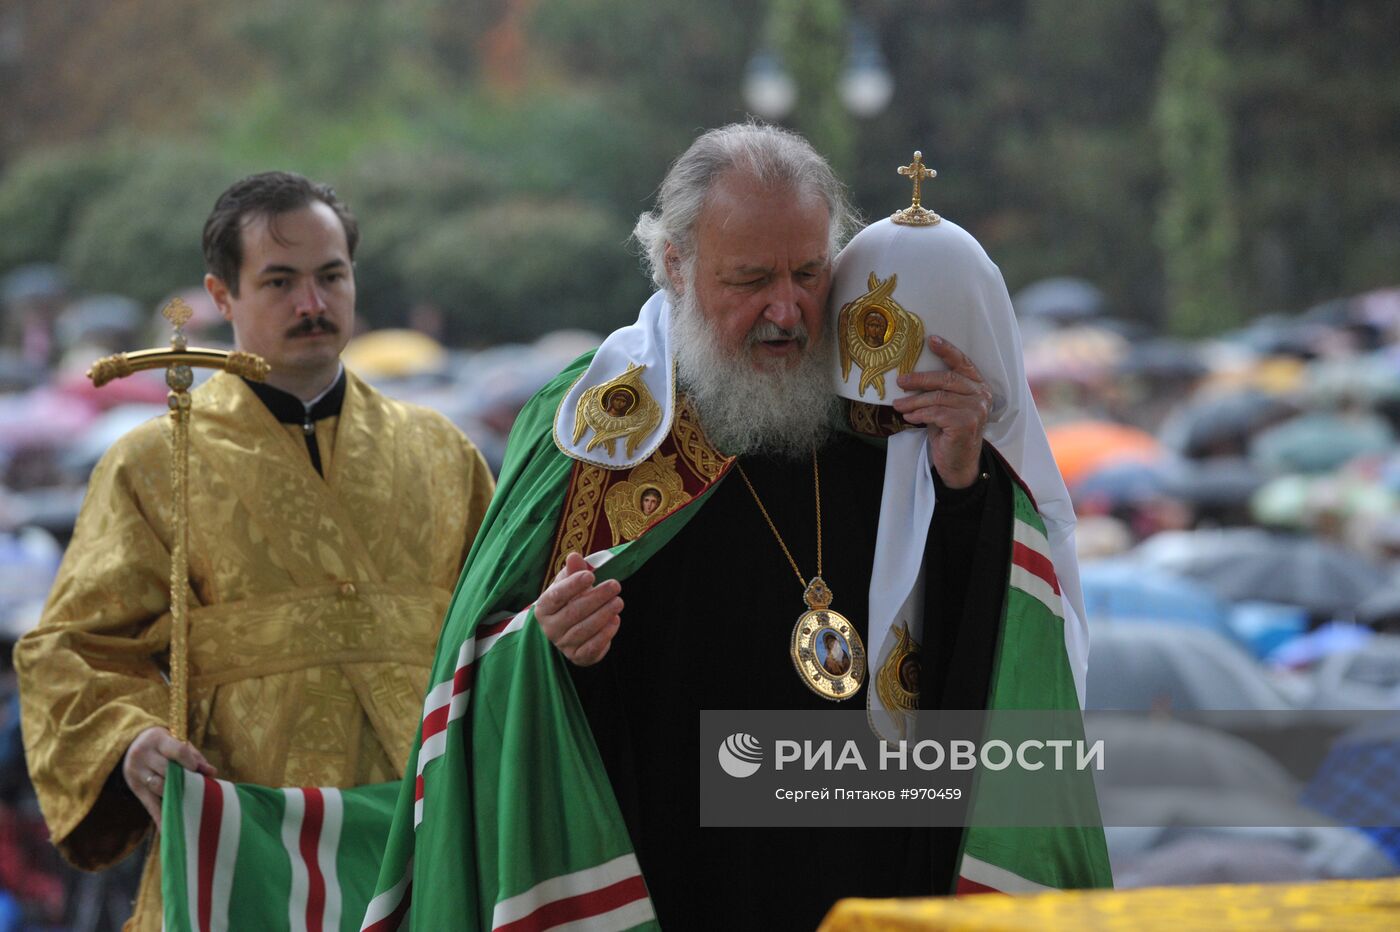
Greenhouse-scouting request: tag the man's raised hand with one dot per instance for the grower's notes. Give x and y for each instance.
(953, 406)
(578, 617)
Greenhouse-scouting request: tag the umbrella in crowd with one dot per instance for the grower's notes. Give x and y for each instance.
(1167, 666)
(394, 354)
(1163, 359)
(1221, 481)
(1319, 442)
(1283, 335)
(42, 417)
(18, 374)
(1307, 649)
(85, 450)
(1356, 783)
(1082, 447)
(1062, 300)
(1249, 563)
(1366, 379)
(1381, 610)
(102, 319)
(1166, 752)
(1300, 501)
(1363, 675)
(1119, 484)
(1214, 486)
(1082, 354)
(1223, 424)
(1122, 591)
(139, 388)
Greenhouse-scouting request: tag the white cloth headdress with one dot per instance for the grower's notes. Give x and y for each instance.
(945, 279)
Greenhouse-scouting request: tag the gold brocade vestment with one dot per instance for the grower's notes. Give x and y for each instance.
(315, 607)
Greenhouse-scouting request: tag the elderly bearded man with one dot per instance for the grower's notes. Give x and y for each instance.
(557, 777)
(329, 526)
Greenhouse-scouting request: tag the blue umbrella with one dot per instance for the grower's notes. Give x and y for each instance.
(1331, 638)
(1356, 783)
(1120, 484)
(1124, 591)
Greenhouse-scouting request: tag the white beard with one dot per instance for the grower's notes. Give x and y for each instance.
(743, 410)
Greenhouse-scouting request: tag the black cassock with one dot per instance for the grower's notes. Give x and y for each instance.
(707, 624)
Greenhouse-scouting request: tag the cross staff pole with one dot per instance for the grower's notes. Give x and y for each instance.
(178, 361)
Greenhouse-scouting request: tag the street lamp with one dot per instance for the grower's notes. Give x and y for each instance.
(769, 91)
(865, 86)
(866, 83)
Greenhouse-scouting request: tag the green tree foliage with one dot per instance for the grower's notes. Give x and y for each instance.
(43, 194)
(1035, 117)
(329, 56)
(141, 236)
(520, 268)
(75, 71)
(1197, 228)
(1067, 134)
(397, 196)
(668, 68)
(810, 35)
(1316, 86)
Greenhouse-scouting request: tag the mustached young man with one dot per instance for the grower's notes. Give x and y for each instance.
(328, 526)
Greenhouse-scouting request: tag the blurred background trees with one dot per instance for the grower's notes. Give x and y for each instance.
(1202, 162)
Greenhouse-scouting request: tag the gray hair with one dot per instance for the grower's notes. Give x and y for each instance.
(776, 157)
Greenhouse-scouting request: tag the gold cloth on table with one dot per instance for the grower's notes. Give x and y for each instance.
(315, 607)
(1354, 905)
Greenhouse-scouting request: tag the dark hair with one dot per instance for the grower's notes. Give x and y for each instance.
(268, 194)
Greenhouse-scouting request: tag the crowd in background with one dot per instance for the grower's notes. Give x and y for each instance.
(1239, 503)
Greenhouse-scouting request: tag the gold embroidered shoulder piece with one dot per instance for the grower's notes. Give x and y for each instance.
(619, 408)
(631, 502)
(879, 335)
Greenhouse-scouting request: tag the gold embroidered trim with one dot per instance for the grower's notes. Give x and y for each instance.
(584, 500)
(898, 679)
(874, 420)
(654, 485)
(704, 460)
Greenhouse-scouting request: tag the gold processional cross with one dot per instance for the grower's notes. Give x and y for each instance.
(178, 360)
(916, 215)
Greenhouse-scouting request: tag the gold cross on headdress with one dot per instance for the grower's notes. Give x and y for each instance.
(916, 215)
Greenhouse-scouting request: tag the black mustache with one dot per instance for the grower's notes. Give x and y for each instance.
(310, 325)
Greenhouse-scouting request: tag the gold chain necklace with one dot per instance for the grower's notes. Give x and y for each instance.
(826, 648)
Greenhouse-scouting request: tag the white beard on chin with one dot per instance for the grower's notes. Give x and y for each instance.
(775, 411)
